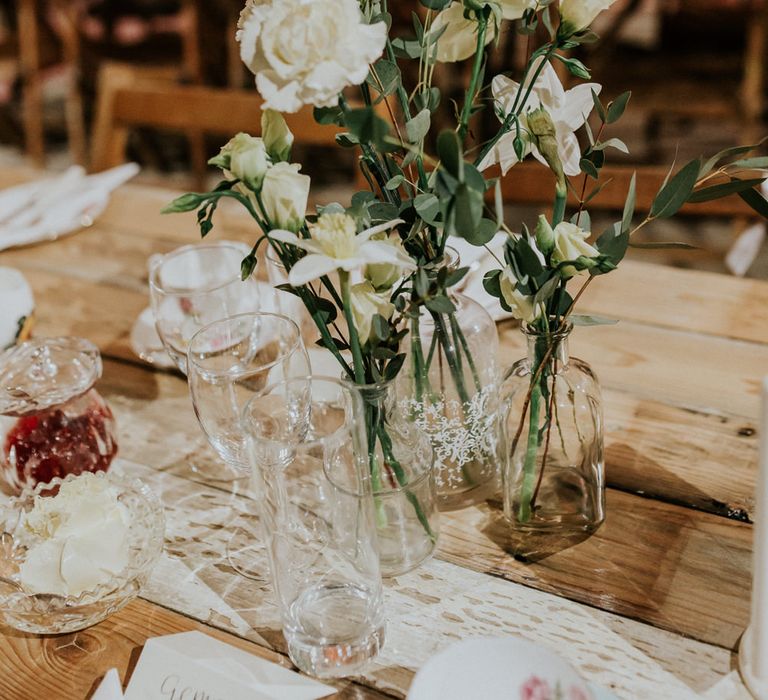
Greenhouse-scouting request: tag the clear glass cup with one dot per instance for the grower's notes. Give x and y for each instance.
(195, 285)
(310, 466)
(191, 287)
(228, 361)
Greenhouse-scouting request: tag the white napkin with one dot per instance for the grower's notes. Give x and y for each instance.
(49, 208)
(480, 260)
(109, 688)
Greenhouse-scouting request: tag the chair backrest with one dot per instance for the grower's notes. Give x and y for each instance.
(127, 101)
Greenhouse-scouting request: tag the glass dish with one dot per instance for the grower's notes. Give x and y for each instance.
(42, 613)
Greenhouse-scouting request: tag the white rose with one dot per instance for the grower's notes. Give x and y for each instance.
(571, 243)
(278, 138)
(284, 194)
(578, 14)
(459, 40)
(304, 52)
(521, 304)
(366, 303)
(247, 159)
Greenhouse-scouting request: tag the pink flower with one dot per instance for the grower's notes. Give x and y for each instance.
(535, 688)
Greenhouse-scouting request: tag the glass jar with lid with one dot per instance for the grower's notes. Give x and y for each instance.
(52, 421)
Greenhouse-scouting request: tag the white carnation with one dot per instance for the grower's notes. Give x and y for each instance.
(307, 51)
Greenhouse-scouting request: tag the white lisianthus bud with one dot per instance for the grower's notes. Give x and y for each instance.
(278, 138)
(459, 40)
(570, 244)
(545, 236)
(284, 193)
(366, 303)
(245, 157)
(576, 15)
(520, 304)
(383, 276)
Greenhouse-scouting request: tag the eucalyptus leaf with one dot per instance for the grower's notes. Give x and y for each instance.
(582, 320)
(756, 200)
(617, 107)
(662, 245)
(449, 152)
(468, 209)
(394, 182)
(676, 192)
(427, 206)
(599, 107)
(440, 305)
(418, 127)
(492, 283)
(629, 205)
(546, 291)
(707, 194)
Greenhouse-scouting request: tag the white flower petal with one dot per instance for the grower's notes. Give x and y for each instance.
(311, 267)
(380, 228)
(578, 105)
(373, 252)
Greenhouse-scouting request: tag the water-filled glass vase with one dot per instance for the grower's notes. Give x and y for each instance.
(553, 477)
(449, 386)
(401, 461)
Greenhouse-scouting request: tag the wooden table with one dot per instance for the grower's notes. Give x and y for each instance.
(652, 606)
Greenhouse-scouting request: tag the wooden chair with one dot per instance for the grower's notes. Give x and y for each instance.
(125, 103)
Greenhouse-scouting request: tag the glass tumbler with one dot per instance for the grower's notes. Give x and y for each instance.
(229, 361)
(313, 484)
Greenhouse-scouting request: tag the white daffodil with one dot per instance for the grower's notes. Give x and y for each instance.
(567, 109)
(521, 305)
(334, 244)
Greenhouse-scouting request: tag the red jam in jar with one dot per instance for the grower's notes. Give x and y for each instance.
(52, 421)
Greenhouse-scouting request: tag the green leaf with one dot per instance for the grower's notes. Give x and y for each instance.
(599, 107)
(707, 194)
(427, 206)
(527, 260)
(380, 327)
(388, 74)
(492, 283)
(328, 115)
(751, 163)
(418, 127)
(589, 168)
(406, 48)
(756, 200)
(574, 66)
(368, 127)
(629, 205)
(468, 209)
(449, 152)
(394, 182)
(617, 107)
(676, 192)
(187, 202)
(618, 144)
(613, 243)
(481, 234)
(546, 290)
(247, 266)
(440, 305)
(727, 153)
(394, 366)
(582, 320)
(435, 4)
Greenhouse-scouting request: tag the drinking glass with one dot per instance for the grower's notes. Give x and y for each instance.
(228, 361)
(195, 285)
(313, 485)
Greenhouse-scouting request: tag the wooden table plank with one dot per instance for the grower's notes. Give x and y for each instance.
(70, 666)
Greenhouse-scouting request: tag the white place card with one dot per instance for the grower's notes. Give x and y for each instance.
(194, 665)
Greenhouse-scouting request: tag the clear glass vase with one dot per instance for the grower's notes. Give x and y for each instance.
(449, 387)
(401, 461)
(553, 477)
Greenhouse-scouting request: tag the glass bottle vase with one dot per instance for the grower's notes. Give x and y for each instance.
(553, 476)
(401, 461)
(449, 387)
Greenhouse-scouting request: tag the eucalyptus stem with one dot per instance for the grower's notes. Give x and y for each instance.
(466, 112)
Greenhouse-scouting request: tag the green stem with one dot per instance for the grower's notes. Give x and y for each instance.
(466, 112)
(561, 195)
(450, 356)
(354, 339)
(462, 341)
(529, 466)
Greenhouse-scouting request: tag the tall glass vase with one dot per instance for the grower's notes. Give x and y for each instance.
(401, 461)
(449, 387)
(553, 477)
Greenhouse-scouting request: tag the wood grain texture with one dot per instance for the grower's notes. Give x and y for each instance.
(71, 666)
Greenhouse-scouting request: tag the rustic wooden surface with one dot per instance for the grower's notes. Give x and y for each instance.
(651, 606)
